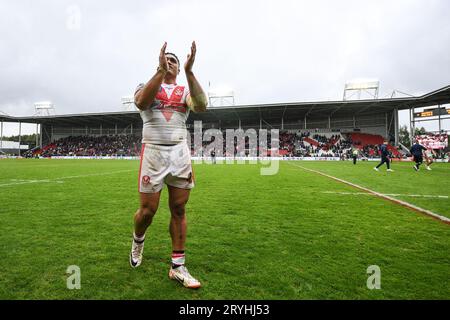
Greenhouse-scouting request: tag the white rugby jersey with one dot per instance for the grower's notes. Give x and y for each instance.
(165, 119)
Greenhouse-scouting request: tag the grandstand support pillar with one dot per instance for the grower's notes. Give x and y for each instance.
(40, 136)
(86, 130)
(396, 126)
(329, 122)
(20, 135)
(131, 129)
(414, 128)
(51, 134)
(37, 134)
(386, 124)
(260, 123)
(101, 130)
(354, 122)
(282, 124)
(412, 124)
(439, 108)
(115, 127)
(305, 122)
(1, 136)
(239, 124)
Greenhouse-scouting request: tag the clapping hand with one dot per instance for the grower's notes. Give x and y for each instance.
(190, 58)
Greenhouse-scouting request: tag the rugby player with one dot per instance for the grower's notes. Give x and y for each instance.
(429, 154)
(165, 156)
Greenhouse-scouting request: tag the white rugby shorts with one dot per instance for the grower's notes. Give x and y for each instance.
(165, 164)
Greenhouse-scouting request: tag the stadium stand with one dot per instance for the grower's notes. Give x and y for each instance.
(291, 144)
(324, 129)
(368, 144)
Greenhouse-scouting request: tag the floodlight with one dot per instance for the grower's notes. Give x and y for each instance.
(221, 96)
(362, 84)
(44, 108)
(223, 91)
(128, 103)
(44, 105)
(370, 86)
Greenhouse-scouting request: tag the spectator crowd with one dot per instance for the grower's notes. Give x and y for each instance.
(291, 144)
(92, 146)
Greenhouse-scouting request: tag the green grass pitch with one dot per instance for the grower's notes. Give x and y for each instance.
(293, 235)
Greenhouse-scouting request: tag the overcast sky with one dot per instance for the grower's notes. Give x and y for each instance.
(85, 55)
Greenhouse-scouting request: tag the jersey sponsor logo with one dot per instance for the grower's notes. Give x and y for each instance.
(178, 92)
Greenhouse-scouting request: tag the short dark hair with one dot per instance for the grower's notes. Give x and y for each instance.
(173, 54)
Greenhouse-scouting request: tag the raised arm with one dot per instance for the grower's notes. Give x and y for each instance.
(197, 100)
(145, 96)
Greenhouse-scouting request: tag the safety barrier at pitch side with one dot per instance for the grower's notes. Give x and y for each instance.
(225, 158)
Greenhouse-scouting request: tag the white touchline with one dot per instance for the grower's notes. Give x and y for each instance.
(389, 194)
(403, 203)
(57, 180)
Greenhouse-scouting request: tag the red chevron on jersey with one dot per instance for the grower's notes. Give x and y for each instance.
(162, 95)
(173, 104)
(167, 112)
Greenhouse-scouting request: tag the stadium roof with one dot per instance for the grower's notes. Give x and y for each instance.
(268, 112)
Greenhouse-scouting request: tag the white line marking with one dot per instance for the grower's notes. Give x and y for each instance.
(403, 203)
(389, 194)
(16, 182)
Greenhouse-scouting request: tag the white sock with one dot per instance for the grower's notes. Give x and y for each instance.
(178, 259)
